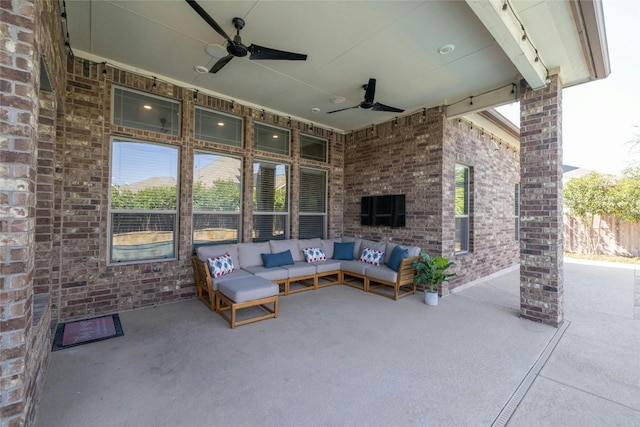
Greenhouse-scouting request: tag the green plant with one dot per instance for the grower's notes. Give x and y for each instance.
(431, 271)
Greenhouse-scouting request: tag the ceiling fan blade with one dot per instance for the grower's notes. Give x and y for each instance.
(343, 109)
(370, 91)
(221, 63)
(381, 107)
(261, 52)
(209, 20)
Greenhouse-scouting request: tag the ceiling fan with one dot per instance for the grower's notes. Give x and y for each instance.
(235, 46)
(370, 92)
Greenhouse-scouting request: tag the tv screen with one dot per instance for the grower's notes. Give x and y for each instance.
(388, 210)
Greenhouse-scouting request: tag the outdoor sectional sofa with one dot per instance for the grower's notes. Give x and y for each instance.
(230, 277)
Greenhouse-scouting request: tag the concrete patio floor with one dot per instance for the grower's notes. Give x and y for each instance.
(341, 357)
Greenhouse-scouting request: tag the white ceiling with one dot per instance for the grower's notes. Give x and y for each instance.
(347, 42)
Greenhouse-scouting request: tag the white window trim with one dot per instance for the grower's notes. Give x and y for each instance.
(326, 201)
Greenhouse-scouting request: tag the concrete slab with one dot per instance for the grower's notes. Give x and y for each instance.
(550, 404)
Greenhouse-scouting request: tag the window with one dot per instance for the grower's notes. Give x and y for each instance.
(462, 209)
(313, 203)
(143, 202)
(271, 139)
(217, 184)
(270, 201)
(517, 210)
(217, 127)
(313, 148)
(147, 112)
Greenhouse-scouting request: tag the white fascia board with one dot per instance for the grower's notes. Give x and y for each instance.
(507, 31)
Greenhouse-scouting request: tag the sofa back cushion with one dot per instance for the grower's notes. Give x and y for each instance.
(213, 251)
(278, 246)
(412, 251)
(308, 243)
(327, 245)
(378, 246)
(397, 255)
(250, 254)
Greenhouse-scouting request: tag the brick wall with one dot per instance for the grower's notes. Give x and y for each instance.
(87, 284)
(31, 34)
(416, 156)
(541, 259)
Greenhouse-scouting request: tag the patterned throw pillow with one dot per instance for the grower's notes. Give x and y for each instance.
(221, 265)
(314, 254)
(371, 256)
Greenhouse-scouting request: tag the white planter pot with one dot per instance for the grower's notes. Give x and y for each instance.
(431, 298)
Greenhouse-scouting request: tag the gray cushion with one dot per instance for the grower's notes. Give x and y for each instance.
(248, 289)
(381, 273)
(250, 254)
(309, 243)
(327, 246)
(230, 276)
(283, 245)
(354, 266)
(300, 268)
(275, 273)
(328, 265)
(210, 251)
(413, 251)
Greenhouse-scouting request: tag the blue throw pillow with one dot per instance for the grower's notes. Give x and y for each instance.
(343, 251)
(277, 259)
(397, 255)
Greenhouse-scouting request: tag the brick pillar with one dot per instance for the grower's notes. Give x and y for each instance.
(18, 128)
(541, 242)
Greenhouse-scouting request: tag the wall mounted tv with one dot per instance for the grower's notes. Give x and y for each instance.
(383, 210)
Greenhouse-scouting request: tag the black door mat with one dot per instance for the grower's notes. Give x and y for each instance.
(72, 334)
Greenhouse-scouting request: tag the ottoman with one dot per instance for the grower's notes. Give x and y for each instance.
(245, 292)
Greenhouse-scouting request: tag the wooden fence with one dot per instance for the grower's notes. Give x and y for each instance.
(609, 236)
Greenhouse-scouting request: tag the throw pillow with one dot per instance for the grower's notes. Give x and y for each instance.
(397, 255)
(221, 265)
(314, 254)
(343, 251)
(277, 259)
(371, 256)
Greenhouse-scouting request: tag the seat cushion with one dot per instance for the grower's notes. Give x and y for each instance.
(328, 265)
(353, 267)
(275, 273)
(237, 274)
(381, 273)
(300, 268)
(210, 251)
(248, 289)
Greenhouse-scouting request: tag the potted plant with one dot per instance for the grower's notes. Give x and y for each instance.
(431, 272)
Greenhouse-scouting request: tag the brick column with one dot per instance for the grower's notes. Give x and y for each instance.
(541, 241)
(18, 119)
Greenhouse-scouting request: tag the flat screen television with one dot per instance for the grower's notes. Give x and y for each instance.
(385, 210)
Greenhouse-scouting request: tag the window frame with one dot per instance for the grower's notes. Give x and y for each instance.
(326, 200)
(287, 213)
(147, 95)
(217, 113)
(111, 211)
(465, 244)
(266, 149)
(195, 211)
(326, 148)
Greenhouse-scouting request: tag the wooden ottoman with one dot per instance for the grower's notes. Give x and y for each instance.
(244, 292)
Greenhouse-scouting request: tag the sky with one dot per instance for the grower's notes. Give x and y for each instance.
(601, 117)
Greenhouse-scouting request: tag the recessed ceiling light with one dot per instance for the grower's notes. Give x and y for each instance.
(147, 107)
(315, 110)
(201, 69)
(447, 48)
(338, 99)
